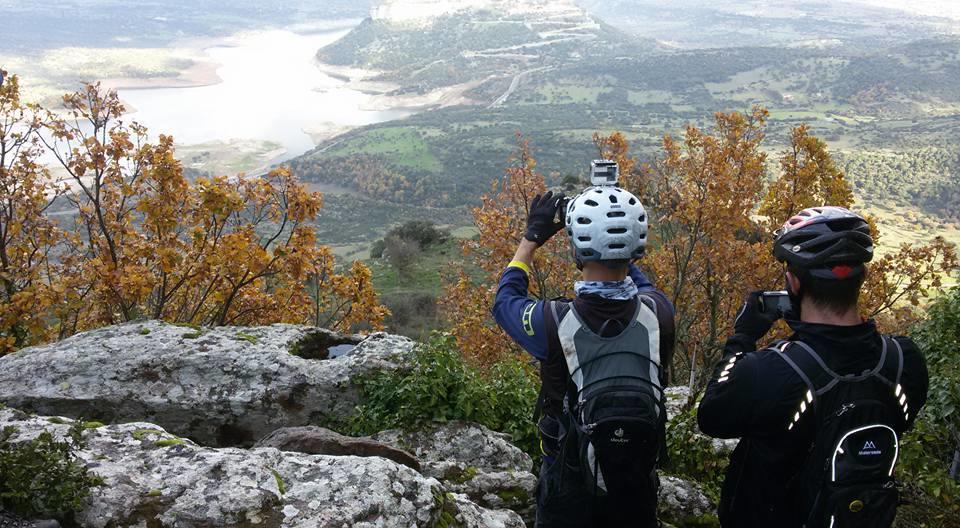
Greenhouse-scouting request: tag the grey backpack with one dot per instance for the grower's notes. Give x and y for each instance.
(615, 401)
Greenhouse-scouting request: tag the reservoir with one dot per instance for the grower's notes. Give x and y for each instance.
(271, 90)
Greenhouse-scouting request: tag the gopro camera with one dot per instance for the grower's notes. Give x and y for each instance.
(775, 302)
(604, 172)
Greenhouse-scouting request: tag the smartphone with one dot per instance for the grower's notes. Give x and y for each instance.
(775, 302)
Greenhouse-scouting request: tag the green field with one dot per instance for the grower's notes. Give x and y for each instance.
(403, 146)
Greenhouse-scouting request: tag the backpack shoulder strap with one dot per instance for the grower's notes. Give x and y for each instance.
(809, 372)
(892, 364)
(804, 369)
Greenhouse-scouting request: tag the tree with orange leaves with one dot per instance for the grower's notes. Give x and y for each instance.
(500, 220)
(145, 242)
(898, 282)
(703, 253)
(28, 237)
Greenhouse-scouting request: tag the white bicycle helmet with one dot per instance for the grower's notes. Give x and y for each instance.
(606, 223)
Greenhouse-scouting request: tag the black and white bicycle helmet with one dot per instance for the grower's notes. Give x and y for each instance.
(829, 242)
(606, 223)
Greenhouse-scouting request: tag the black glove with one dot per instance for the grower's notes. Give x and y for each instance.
(543, 221)
(751, 320)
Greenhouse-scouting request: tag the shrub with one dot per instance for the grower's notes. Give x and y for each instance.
(927, 451)
(42, 477)
(423, 232)
(441, 386)
(376, 250)
(412, 314)
(692, 455)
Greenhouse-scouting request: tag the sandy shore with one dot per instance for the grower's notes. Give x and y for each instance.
(201, 73)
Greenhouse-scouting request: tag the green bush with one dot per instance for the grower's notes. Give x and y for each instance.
(441, 386)
(42, 477)
(692, 455)
(423, 232)
(933, 498)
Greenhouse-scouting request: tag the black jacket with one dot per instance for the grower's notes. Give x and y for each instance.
(757, 400)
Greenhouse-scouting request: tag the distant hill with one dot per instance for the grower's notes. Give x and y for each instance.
(560, 79)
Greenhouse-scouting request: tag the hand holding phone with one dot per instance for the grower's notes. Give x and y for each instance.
(775, 303)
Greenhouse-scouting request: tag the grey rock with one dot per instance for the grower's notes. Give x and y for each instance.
(681, 500)
(221, 387)
(319, 441)
(9, 520)
(472, 460)
(466, 514)
(154, 478)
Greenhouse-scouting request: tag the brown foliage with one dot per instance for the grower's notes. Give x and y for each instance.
(708, 248)
(704, 254)
(142, 241)
(501, 220)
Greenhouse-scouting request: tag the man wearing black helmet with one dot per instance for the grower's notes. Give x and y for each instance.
(819, 415)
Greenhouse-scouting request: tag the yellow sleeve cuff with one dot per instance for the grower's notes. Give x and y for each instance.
(521, 265)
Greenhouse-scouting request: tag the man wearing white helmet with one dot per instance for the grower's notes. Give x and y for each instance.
(603, 358)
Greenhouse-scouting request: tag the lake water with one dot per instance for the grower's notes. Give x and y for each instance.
(271, 90)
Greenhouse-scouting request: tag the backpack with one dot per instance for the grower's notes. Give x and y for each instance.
(847, 478)
(614, 403)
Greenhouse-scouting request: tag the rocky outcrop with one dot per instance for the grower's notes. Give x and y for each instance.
(220, 387)
(319, 441)
(153, 478)
(472, 460)
(682, 502)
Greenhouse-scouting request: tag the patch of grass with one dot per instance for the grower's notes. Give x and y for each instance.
(144, 331)
(281, 486)
(139, 434)
(252, 339)
(192, 335)
(167, 442)
(93, 425)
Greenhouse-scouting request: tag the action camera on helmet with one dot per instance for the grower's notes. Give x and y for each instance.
(604, 173)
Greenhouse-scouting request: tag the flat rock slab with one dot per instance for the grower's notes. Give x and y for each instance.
(222, 387)
(153, 478)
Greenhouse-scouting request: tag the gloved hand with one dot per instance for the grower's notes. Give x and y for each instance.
(543, 221)
(751, 321)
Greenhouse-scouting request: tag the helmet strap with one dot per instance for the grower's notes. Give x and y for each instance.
(796, 298)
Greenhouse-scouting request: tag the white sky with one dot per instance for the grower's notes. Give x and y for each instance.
(941, 8)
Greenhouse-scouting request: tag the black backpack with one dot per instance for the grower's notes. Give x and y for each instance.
(847, 478)
(615, 403)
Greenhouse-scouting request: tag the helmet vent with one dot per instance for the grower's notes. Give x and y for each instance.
(616, 214)
(584, 239)
(613, 199)
(584, 220)
(642, 218)
(632, 201)
(591, 203)
(617, 230)
(617, 246)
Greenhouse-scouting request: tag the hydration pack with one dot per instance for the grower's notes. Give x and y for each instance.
(847, 478)
(615, 403)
